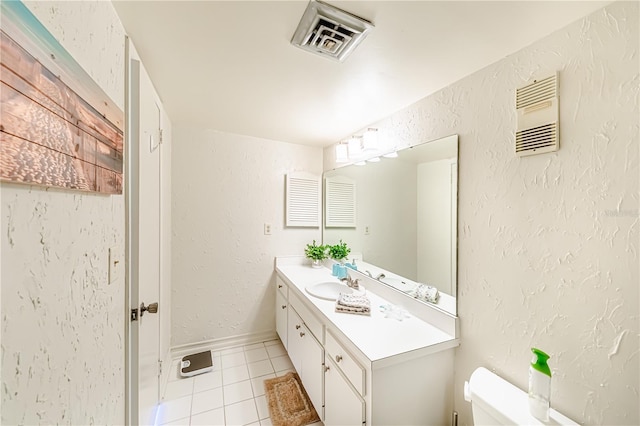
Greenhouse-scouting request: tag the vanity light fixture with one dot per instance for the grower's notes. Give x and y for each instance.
(355, 147)
(342, 153)
(370, 139)
(393, 154)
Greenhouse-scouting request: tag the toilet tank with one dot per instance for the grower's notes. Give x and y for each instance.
(494, 401)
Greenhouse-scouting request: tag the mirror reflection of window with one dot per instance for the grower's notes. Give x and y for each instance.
(339, 202)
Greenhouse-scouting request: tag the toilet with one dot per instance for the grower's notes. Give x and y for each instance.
(494, 401)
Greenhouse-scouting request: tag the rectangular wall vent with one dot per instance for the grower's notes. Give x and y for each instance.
(538, 112)
(340, 202)
(330, 32)
(303, 192)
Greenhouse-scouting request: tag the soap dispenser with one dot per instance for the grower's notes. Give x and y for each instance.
(539, 385)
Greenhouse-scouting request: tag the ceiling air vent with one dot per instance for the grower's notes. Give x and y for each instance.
(330, 32)
(538, 125)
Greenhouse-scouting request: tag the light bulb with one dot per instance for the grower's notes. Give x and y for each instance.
(370, 139)
(342, 153)
(355, 147)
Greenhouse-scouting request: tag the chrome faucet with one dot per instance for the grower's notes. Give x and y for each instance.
(354, 284)
(378, 277)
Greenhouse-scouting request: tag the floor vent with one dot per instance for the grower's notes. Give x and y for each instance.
(538, 123)
(330, 32)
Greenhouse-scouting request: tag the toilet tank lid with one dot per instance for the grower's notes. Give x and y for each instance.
(505, 401)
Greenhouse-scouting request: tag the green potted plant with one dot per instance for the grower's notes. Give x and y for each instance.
(317, 253)
(339, 251)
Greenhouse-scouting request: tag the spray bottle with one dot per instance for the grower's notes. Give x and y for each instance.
(539, 385)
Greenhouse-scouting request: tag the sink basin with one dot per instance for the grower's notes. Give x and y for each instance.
(328, 290)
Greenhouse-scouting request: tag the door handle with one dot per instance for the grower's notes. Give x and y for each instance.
(152, 308)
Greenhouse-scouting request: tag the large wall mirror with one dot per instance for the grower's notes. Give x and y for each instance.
(405, 217)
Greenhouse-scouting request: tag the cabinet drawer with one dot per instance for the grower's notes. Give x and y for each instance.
(345, 362)
(307, 317)
(282, 288)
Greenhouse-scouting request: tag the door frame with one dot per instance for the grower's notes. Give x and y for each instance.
(131, 188)
(132, 156)
(133, 244)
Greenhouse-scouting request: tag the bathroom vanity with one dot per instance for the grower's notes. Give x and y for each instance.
(359, 369)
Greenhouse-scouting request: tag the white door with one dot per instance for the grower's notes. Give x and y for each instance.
(144, 247)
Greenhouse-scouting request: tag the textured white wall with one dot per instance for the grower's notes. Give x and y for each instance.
(225, 188)
(62, 323)
(548, 245)
(91, 32)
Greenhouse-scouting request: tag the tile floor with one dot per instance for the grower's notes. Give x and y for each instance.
(231, 394)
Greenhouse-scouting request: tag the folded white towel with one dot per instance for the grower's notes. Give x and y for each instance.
(353, 304)
(427, 293)
(349, 310)
(354, 300)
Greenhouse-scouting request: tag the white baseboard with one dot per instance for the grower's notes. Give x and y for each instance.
(222, 343)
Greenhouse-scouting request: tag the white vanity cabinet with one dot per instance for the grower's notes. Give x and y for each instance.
(344, 385)
(343, 406)
(303, 333)
(307, 356)
(373, 370)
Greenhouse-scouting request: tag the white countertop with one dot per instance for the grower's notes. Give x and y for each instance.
(377, 337)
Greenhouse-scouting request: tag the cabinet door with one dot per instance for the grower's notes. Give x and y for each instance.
(312, 368)
(281, 317)
(294, 349)
(342, 404)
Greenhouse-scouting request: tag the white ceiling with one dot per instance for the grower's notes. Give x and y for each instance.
(229, 65)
